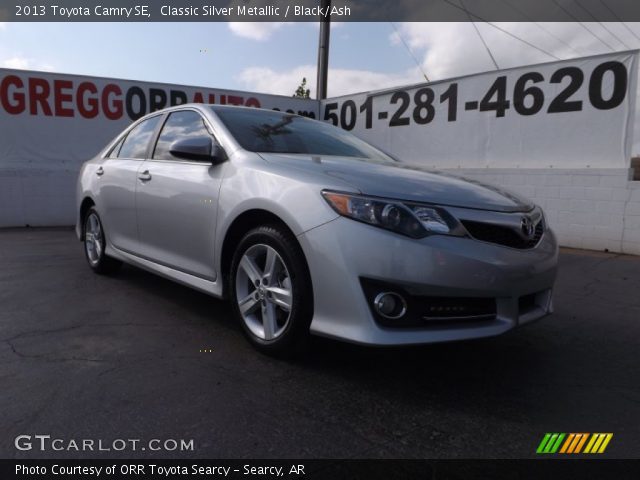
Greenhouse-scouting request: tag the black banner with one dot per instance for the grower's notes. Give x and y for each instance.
(314, 10)
(574, 469)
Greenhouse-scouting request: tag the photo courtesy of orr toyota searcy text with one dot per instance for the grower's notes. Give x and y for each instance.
(162, 470)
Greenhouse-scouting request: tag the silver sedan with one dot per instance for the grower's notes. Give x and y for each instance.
(308, 229)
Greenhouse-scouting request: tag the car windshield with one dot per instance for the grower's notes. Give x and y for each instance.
(280, 132)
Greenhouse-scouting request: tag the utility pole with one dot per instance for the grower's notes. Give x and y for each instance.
(323, 52)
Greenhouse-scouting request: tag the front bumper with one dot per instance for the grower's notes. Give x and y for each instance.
(343, 252)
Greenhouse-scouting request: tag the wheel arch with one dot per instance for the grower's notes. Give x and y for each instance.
(243, 223)
(86, 204)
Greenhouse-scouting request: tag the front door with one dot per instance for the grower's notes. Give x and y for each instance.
(177, 201)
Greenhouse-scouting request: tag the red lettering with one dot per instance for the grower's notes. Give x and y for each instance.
(199, 98)
(60, 97)
(113, 110)
(63, 98)
(39, 95)
(235, 100)
(89, 107)
(18, 104)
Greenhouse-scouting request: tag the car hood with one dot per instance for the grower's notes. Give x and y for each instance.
(405, 182)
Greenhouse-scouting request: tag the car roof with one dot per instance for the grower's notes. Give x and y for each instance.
(211, 107)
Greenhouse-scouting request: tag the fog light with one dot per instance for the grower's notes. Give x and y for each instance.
(390, 305)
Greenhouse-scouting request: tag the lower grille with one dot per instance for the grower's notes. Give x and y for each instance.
(503, 235)
(430, 311)
(527, 303)
(446, 309)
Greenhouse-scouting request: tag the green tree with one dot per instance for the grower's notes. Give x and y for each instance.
(302, 91)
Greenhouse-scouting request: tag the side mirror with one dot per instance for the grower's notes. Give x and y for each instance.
(200, 149)
(218, 155)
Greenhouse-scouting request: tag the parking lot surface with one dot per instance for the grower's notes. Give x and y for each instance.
(135, 356)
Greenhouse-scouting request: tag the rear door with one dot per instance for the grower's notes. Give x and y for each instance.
(177, 201)
(117, 178)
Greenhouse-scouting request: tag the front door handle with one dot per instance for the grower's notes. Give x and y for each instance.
(100, 172)
(145, 176)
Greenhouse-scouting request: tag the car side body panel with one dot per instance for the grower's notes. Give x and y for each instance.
(176, 213)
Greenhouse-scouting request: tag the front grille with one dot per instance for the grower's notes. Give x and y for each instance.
(503, 235)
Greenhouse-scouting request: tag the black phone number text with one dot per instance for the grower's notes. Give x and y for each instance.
(528, 99)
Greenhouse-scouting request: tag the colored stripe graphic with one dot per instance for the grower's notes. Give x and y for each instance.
(598, 442)
(550, 443)
(606, 442)
(574, 443)
(567, 443)
(577, 438)
(556, 445)
(552, 440)
(581, 442)
(591, 442)
(544, 441)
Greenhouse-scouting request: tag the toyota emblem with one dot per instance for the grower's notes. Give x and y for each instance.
(527, 227)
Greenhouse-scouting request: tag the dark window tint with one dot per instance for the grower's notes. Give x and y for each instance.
(135, 145)
(115, 150)
(279, 132)
(179, 126)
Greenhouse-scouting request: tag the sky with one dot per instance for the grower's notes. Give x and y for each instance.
(274, 57)
(266, 57)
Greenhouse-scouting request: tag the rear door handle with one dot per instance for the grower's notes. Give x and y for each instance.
(100, 172)
(145, 176)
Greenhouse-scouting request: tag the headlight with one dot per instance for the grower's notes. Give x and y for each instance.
(416, 221)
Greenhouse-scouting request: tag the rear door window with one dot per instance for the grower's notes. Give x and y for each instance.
(116, 150)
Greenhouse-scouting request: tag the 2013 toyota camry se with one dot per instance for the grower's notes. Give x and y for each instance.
(308, 229)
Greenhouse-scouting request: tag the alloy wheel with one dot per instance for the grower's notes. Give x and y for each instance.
(93, 239)
(264, 292)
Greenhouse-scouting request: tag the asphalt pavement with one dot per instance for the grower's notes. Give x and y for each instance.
(135, 356)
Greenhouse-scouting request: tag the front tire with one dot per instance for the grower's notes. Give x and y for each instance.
(95, 244)
(271, 291)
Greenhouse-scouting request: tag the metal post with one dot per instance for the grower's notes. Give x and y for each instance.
(323, 52)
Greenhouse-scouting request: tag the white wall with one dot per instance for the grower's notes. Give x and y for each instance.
(596, 209)
(37, 197)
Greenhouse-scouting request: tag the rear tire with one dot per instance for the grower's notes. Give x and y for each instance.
(95, 243)
(271, 291)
